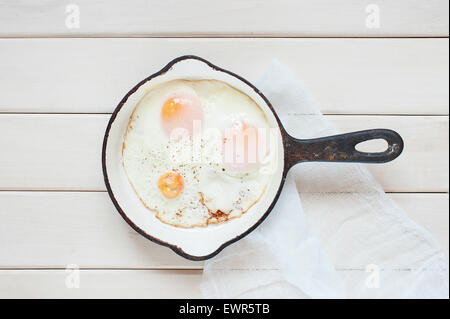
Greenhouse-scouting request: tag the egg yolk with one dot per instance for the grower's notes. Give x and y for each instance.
(240, 149)
(171, 184)
(181, 112)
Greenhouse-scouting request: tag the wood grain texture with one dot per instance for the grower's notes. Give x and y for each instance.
(324, 18)
(40, 230)
(62, 152)
(382, 76)
(55, 229)
(429, 211)
(101, 284)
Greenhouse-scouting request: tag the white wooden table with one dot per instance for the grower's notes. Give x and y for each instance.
(59, 84)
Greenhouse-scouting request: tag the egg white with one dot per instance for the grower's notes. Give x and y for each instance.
(212, 192)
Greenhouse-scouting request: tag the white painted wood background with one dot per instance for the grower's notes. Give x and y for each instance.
(58, 86)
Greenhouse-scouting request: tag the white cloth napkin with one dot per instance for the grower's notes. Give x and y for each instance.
(343, 239)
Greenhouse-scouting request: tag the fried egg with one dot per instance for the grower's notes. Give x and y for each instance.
(197, 152)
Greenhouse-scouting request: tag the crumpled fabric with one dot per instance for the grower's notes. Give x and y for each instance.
(333, 233)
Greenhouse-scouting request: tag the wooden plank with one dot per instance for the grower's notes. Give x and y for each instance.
(100, 284)
(232, 18)
(62, 152)
(51, 151)
(346, 76)
(167, 283)
(55, 229)
(429, 211)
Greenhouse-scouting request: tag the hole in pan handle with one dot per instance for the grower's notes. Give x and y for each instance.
(341, 148)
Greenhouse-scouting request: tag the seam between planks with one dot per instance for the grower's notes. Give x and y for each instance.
(325, 114)
(104, 191)
(407, 269)
(225, 36)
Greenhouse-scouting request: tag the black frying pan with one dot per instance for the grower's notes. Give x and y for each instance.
(201, 243)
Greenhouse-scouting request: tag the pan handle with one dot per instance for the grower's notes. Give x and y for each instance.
(341, 148)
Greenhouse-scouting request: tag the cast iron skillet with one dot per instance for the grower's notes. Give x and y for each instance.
(200, 243)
